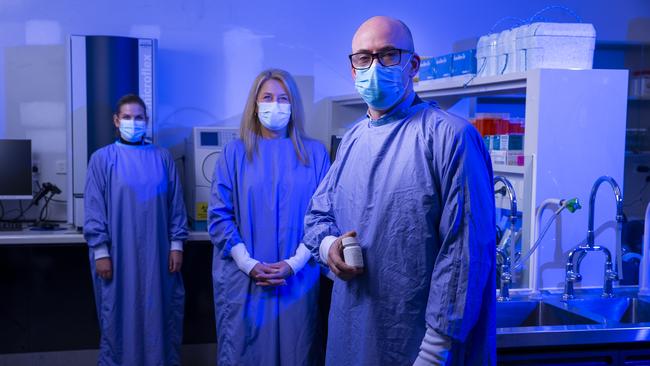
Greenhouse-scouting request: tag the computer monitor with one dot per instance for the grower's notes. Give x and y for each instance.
(15, 169)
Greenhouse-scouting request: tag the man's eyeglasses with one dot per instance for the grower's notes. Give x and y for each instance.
(363, 60)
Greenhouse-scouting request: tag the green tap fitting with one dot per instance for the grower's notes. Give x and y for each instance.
(572, 204)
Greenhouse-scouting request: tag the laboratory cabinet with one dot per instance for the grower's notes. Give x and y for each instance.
(636, 354)
(47, 302)
(574, 133)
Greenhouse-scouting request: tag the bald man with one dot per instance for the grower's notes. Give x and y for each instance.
(414, 184)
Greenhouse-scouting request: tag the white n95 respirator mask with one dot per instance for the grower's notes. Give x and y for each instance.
(274, 116)
(132, 130)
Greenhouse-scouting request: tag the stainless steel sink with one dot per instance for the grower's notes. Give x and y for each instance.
(638, 311)
(609, 308)
(623, 310)
(589, 319)
(536, 313)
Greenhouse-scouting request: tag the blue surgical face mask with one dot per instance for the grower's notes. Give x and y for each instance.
(381, 86)
(274, 116)
(132, 130)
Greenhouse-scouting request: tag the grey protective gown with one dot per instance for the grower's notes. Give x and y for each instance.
(134, 204)
(416, 185)
(262, 203)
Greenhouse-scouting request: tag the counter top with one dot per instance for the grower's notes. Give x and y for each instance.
(67, 236)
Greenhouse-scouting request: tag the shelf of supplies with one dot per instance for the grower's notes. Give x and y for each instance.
(463, 85)
(510, 169)
(466, 85)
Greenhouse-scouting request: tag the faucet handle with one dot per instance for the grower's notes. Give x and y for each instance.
(573, 276)
(506, 277)
(611, 275)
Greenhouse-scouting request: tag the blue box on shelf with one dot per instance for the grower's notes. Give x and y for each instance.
(443, 66)
(427, 69)
(464, 62)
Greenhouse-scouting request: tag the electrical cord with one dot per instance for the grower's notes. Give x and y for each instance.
(22, 210)
(53, 200)
(553, 7)
(44, 209)
(518, 22)
(45, 189)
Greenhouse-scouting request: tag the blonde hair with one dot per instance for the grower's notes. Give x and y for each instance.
(251, 128)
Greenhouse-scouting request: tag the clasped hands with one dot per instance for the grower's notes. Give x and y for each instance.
(271, 274)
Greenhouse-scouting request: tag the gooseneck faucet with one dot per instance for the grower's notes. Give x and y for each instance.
(581, 250)
(592, 203)
(506, 276)
(508, 190)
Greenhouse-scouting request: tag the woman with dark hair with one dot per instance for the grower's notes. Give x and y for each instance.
(265, 283)
(135, 225)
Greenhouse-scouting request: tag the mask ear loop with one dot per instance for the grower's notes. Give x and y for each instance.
(404, 68)
(407, 62)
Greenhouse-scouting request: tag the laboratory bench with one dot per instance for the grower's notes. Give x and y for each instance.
(47, 304)
(46, 294)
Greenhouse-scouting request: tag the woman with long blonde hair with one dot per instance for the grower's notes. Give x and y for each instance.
(265, 281)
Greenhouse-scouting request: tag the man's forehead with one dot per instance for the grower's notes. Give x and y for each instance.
(374, 36)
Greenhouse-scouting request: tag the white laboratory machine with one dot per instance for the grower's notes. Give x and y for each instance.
(203, 149)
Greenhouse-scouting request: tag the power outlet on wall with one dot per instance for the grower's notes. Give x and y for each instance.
(60, 166)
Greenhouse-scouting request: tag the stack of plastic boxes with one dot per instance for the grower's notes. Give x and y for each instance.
(453, 64)
(535, 46)
(503, 136)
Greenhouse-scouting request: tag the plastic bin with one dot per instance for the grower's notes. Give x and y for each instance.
(556, 46)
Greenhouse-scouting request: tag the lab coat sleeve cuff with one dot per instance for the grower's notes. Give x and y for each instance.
(101, 251)
(324, 248)
(298, 261)
(177, 245)
(434, 349)
(242, 259)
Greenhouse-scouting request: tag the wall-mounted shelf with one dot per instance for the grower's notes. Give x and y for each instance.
(512, 169)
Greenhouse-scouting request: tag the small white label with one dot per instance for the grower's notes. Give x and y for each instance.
(353, 256)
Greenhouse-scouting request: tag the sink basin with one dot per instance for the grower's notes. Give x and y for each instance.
(608, 308)
(623, 310)
(536, 313)
(638, 311)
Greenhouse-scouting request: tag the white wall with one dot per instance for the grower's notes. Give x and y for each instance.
(210, 51)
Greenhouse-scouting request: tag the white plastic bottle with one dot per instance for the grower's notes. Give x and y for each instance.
(352, 254)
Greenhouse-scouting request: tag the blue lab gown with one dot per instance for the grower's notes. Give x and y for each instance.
(417, 188)
(134, 204)
(262, 204)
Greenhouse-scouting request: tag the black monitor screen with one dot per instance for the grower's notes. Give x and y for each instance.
(15, 169)
(209, 138)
